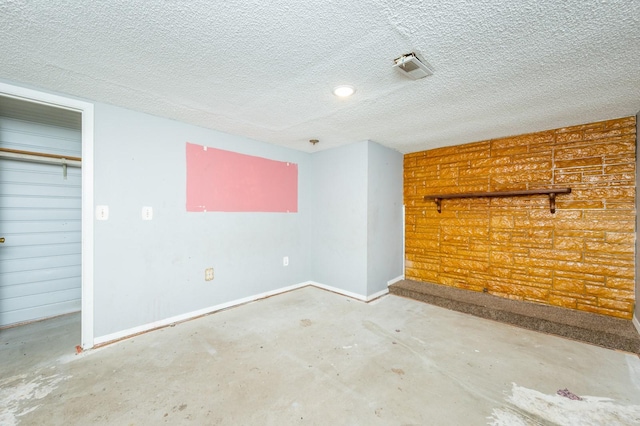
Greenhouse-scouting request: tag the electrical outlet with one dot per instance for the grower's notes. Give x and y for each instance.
(208, 274)
(285, 261)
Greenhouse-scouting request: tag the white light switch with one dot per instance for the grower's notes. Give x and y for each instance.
(102, 212)
(147, 213)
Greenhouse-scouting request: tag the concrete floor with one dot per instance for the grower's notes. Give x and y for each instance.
(316, 358)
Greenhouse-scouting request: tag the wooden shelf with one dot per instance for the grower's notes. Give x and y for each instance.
(551, 193)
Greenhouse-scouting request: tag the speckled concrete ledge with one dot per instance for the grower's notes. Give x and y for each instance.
(608, 332)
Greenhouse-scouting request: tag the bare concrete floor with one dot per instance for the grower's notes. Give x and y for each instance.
(316, 358)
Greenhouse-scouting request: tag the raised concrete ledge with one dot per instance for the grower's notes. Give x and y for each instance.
(601, 330)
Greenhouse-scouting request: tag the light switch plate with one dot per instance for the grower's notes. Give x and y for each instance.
(102, 212)
(147, 213)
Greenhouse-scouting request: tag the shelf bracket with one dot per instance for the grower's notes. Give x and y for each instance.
(439, 204)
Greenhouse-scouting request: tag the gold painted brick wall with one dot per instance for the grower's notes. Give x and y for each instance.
(581, 257)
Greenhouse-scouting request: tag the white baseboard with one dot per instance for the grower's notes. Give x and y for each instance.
(349, 293)
(189, 315)
(339, 291)
(636, 323)
(395, 280)
(108, 338)
(377, 295)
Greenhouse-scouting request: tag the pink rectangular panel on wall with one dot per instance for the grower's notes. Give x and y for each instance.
(226, 181)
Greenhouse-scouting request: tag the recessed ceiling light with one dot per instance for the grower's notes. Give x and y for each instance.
(344, 91)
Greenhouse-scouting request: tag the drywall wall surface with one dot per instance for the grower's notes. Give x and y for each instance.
(150, 270)
(339, 219)
(384, 217)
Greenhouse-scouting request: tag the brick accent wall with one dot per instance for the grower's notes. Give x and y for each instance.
(582, 257)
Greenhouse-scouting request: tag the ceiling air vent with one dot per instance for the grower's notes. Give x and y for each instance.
(412, 67)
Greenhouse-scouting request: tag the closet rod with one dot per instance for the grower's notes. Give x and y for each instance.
(38, 157)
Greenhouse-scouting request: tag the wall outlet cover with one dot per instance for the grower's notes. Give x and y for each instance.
(102, 212)
(147, 213)
(208, 274)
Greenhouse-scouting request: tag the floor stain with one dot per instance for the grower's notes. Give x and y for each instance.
(525, 404)
(19, 395)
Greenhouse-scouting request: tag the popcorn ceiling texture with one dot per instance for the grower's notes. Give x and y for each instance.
(581, 257)
(265, 70)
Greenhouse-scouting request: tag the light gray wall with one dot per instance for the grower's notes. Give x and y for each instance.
(147, 271)
(384, 212)
(357, 217)
(339, 220)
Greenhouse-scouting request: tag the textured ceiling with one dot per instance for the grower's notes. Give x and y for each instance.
(265, 69)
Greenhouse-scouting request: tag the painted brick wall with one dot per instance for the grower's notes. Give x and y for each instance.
(581, 257)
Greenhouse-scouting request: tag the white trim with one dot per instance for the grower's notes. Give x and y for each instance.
(119, 335)
(87, 227)
(349, 293)
(636, 323)
(194, 314)
(339, 291)
(404, 242)
(395, 280)
(377, 295)
(86, 109)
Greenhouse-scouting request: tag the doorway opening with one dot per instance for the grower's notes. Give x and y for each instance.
(46, 204)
